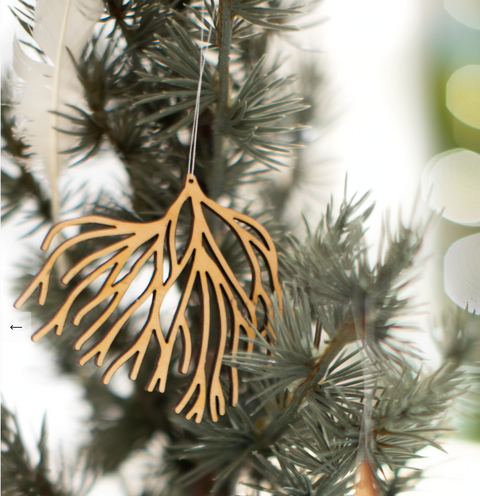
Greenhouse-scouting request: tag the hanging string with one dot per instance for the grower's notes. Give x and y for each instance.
(196, 114)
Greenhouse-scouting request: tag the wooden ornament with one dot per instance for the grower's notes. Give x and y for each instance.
(201, 263)
(366, 480)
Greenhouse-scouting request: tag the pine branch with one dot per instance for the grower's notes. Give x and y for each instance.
(16, 189)
(333, 268)
(219, 450)
(404, 480)
(222, 90)
(335, 350)
(19, 475)
(136, 420)
(320, 424)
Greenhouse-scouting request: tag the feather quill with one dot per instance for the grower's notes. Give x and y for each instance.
(48, 86)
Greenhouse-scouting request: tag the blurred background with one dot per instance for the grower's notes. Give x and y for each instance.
(402, 87)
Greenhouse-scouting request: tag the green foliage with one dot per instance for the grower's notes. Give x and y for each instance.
(260, 103)
(20, 476)
(330, 392)
(333, 267)
(221, 448)
(338, 382)
(177, 65)
(271, 17)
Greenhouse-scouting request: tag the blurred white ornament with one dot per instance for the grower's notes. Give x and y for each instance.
(451, 186)
(462, 273)
(50, 83)
(463, 95)
(465, 11)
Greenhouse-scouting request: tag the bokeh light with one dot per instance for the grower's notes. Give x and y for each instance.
(462, 273)
(451, 186)
(463, 95)
(465, 11)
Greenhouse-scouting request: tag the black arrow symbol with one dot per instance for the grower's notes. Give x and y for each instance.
(12, 327)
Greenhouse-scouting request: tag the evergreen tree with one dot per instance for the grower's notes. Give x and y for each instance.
(333, 400)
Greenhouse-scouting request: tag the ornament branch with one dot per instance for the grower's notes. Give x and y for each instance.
(206, 270)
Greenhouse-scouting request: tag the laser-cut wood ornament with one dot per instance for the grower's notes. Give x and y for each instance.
(205, 265)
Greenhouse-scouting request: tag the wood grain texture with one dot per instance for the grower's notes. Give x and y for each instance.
(202, 266)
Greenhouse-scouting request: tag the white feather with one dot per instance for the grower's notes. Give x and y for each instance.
(47, 87)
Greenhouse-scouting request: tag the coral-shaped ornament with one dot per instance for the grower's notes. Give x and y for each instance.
(201, 265)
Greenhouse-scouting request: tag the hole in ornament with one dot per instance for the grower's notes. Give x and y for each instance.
(91, 256)
(266, 275)
(218, 333)
(183, 229)
(167, 259)
(230, 322)
(188, 330)
(196, 319)
(111, 298)
(242, 336)
(121, 385)
(253, 231)
(170, 309)
(141, 363)
(179, 367)
(131, 261)
(231, 248)
(231, 342)
(217, 404)
(261, 314)
(138, 273)
(233, 259)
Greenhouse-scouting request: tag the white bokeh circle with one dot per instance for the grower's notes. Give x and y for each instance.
(462, 273)
(451, 186)
(465, 11)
